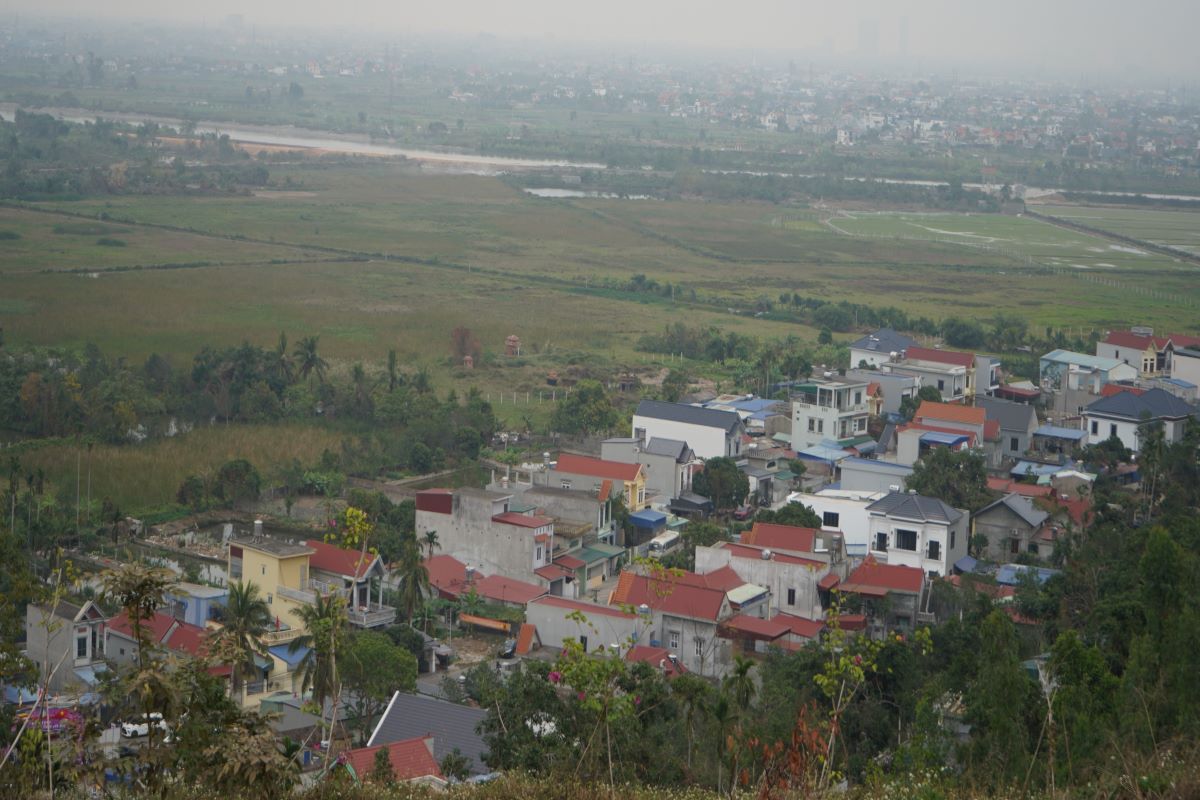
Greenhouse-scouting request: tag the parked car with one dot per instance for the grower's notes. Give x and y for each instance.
(141, 727)
(744, 513)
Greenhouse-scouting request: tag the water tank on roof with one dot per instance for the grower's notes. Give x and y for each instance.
(765, 555)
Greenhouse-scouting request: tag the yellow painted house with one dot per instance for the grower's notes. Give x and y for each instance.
(290, 576)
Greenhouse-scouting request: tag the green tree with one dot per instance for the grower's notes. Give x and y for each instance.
(323, 640)
(955, 477)
(675, 385)
(373, 669)
(996, 703)
(722, 482)
(587, 409)
(909, 405)
(245, 621)
(308, 360)
(413, 578)
(237, 482)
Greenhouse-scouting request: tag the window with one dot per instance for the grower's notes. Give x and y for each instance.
(820, 426)
(1095, 428)
(881, 541)
(565, 484)
(270, 599)
(264, 569)
(1112, 430)
(1014, 444)
(935, 551)
(952, 538)
(906, 540)
(858, 398)
(941, 385)
(81, 646)
(791, 597)
(860, 424)
(1014, 546)
(538, 556)
(699, 647)
(673, 640)
(830, 519)
(1033, 548)
(583, 643)
(812, 425)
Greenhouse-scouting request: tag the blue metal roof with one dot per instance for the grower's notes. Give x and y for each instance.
(821, 453)
(1056, 432)
(648, 518)
(966, 564)
(947, 439)
(1024, 468)
(292, 659)
(1010, 574)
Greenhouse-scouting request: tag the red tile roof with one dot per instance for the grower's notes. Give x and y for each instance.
(725, 579)
(657, 657)
(411, 758)
(673, 595)
(584, 608)
(522, 520)
(553, 572)
(873, 578)
(1131, 339)
(991, 430)
(507, 590)
(852, 622)
(1185, 340)
(570, 562)
(755, 552)
(330, 558)
(799, 626)
(597, 467)
(605, 490)
(1025, 489)
(781, 537)
(756, 627)
(829, 581)
(947, 412)
(1109, 389)
(446, 574)
(941, 356)
(155, 629)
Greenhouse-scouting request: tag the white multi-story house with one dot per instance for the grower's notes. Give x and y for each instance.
(844, 511)
(911, 530)
(828, 409)
(879, 347)
(710, 433)
(1126, 415)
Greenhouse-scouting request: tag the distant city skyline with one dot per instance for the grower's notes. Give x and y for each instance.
(1099, 37)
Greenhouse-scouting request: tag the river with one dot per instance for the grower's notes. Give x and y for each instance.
(351, 144)
(464, 163)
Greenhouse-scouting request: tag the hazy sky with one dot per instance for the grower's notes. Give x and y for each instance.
(1076, 36)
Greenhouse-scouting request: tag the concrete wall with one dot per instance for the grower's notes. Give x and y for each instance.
(1000, 525)
(777, 575)
(863, 479)
(853, 517)
(1186, 367)
(470, 535)
(603, 627)
(705, 442)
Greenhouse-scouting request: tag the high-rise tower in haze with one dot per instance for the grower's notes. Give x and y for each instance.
(868, 38)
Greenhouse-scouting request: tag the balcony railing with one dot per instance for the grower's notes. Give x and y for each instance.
(372, 615)
(298, 595)
(272, 638)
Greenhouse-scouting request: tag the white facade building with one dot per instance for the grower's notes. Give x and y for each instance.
(828, 409)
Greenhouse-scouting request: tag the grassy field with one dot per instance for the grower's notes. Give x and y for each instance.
(148, 475)
(473, 251)
(34, 242)
(1179, 229)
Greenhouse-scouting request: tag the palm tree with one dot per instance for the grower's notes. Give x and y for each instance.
(281, 360)
(393, 375)
(739, 684)
(431, 541)
(414, 579)
(308, 361)
(324, 634)
(246, 620)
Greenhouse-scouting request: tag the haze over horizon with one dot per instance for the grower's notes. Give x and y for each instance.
(1101, 38)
